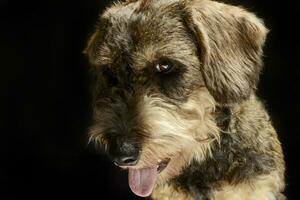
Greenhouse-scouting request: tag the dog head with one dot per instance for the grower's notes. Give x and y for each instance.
(161, 67)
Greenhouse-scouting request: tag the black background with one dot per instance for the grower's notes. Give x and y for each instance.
(45, 107)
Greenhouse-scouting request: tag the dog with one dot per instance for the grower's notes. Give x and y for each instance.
(174, 100)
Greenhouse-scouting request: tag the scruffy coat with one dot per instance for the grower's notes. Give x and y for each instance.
(204, 115)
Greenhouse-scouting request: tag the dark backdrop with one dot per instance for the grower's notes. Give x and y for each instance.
(45, 104)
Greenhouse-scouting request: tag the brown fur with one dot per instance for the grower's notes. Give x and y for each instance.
(204, 115)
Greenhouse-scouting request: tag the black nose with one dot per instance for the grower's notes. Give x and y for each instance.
(125, 153)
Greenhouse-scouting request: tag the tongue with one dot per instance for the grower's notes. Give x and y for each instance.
(141, 181)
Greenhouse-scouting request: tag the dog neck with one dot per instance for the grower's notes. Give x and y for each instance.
(231, 162)
(223, 117)
(196, 177)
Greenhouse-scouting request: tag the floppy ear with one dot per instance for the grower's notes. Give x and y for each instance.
(230, 42)
(94, 44)
(91, 47)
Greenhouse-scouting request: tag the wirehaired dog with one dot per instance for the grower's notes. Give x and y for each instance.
(175, 104)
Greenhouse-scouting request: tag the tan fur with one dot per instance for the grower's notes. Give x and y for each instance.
(167, 127)
(219, 48)
(231, 41)
(249, 117)
(168, 192)
(263, 188)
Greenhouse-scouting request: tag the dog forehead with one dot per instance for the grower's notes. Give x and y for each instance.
(123, 9)
(145, 32)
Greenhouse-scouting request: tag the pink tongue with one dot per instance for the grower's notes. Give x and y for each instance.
(141, 181)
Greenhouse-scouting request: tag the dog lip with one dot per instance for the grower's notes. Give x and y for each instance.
(122, 167)
(163, 164)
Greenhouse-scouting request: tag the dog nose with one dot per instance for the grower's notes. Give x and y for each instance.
(126, 154)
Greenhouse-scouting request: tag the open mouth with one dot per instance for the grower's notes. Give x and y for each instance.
(142, 181)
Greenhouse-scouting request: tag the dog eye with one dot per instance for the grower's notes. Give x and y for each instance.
(164, 67)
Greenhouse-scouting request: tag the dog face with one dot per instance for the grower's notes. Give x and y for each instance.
(160, 69)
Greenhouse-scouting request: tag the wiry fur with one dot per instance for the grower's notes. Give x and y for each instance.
(167, 126)
(231, 37)
(204, 115)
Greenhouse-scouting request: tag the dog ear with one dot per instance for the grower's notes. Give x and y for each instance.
(230, 42)
(95, 42)
(91, 47)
